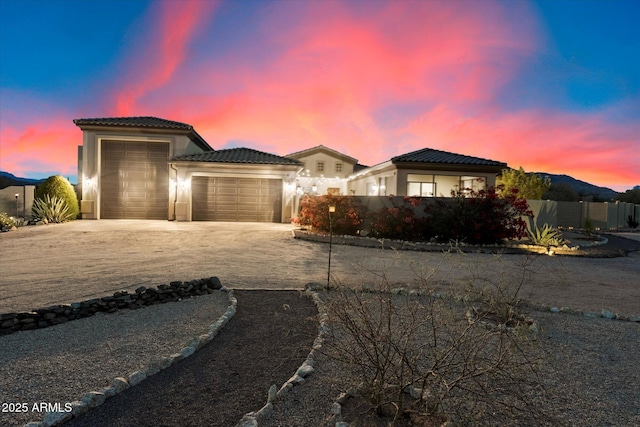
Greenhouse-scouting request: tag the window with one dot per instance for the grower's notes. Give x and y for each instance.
(338, 167)
(319, 166)
(420, 189)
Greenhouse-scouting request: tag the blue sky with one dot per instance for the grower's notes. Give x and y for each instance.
(552, 86)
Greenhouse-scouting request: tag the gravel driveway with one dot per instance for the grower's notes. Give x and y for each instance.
(56, 264)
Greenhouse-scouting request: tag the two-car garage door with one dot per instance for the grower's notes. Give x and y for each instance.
(236, 199)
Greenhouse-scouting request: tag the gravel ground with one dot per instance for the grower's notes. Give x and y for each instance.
(597, 359)
(591, 373)
(60, 363)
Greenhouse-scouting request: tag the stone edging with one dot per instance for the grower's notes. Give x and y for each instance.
(372, 242)
(252, 419)
(57, 314)
(94, 399)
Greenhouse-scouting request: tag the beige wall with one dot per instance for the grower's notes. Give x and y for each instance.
(327, 179)
(89, 166)
(26, 194)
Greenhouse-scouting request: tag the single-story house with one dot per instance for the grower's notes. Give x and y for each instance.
(426, 173)
(152, 168)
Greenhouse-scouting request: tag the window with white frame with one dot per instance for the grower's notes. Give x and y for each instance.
(319, 166)
(338, 167)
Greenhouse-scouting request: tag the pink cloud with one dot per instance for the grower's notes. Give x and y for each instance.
(158, 55)
(45, 147)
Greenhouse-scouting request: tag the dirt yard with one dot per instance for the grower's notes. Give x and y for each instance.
(58, 264)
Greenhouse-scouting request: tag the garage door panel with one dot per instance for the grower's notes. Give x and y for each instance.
(134, 180)
(236, 199)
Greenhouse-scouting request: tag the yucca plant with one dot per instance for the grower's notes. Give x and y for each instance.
(547, 236)
(52, 209)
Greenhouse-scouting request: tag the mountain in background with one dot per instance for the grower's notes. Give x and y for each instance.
(7, 180)
(584, 189)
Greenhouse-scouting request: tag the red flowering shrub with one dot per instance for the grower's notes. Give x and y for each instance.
(398, 221)
(314, 212)
(481, 217)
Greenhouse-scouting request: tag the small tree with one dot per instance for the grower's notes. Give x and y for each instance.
(529, 185)
(60, 188)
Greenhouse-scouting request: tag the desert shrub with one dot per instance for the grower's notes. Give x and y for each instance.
(59, 187)
(51, 209)
(469, 359)
(588, 226)
(7, 221)
(632, 222)
(545, 236)
(314, 212)
(399, 221)
(480, 217)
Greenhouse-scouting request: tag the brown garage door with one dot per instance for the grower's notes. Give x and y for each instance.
(236, 199)
(134, 180)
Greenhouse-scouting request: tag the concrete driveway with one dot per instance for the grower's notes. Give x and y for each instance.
(62, 263)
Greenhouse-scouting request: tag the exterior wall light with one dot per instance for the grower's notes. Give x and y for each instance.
(299, 191)
(17, 195)
(314, 188)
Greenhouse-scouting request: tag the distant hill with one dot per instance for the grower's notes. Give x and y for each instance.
(582, 188)
(7, 180)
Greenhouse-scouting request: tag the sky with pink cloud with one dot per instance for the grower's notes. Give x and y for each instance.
(550, 85)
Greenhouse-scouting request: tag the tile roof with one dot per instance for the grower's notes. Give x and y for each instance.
(238, 155)
(148, 122)
(141, 121)
(429, 155)
(320, 148)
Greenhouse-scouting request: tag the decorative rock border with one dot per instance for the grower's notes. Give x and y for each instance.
(252, 419)
(509, 248)
(94, 399)
(57, 314)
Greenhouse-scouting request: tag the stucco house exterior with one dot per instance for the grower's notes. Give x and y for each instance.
(153, 168)
(425, 173)
(325, 171)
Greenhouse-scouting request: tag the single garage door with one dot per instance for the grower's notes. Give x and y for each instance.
(236, 199)
(134, 180)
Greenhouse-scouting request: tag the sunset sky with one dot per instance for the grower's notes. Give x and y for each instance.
(551, 86)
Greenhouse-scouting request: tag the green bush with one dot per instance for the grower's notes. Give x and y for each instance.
(51, 209)
(6, 221)
(59, 187)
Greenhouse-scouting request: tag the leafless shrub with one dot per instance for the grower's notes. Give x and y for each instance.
(469, 358)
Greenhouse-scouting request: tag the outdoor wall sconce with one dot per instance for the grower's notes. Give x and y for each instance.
(88, 182)
(299, 191)
(17, 195)
(314, 188)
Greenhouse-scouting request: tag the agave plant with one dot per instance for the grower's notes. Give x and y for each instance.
(547, 236)
(51, 209)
